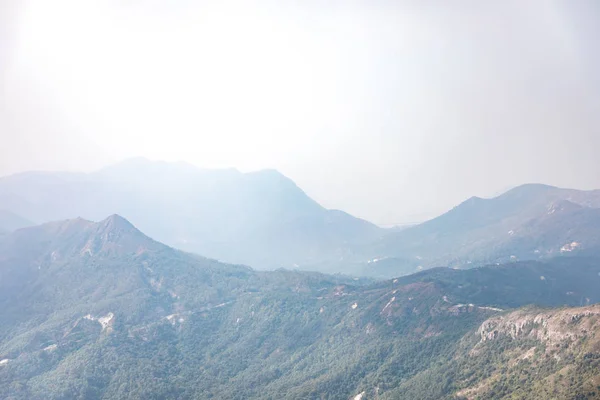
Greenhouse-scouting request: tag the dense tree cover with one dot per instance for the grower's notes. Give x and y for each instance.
(522, 367)
(94, 311)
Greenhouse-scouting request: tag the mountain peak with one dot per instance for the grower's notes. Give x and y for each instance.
(116, 235)
(529, 189)
(117, 222)
(473, 199)
(115, 228)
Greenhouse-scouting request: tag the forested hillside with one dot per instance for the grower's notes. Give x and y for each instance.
(529, 222)
(99, 310)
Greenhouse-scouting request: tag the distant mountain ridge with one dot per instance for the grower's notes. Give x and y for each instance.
(261, 218)
(531, 221)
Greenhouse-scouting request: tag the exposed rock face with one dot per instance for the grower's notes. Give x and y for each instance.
(106, 321)
(551, 327)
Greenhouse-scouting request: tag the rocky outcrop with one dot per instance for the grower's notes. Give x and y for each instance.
(550, 327)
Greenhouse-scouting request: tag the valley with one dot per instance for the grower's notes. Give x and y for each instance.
(299, 200)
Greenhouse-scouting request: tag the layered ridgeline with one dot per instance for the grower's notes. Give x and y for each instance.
(264, 220)
(260, 219)
(529, 222)
(99, 310)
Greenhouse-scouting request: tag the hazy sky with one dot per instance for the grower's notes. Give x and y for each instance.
(393, 111)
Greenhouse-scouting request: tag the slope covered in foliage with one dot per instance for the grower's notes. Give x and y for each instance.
(99, 310)
(526, 354)
(529, 222)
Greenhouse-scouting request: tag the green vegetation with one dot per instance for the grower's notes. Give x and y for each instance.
(529, 222)
(100, 311)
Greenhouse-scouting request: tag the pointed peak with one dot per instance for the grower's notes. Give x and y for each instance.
(474, 199)
(116, 222)
(471, 201)
(116, 217)
(117, 235)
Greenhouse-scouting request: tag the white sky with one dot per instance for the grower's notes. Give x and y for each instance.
(393, 111)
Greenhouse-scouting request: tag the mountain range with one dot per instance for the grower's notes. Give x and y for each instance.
(98, 310)
(264, 220)
(260, 219)
(529, 222)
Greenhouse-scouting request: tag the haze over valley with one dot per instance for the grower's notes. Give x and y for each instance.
(264, 220)
(94, 309)
(340, 200)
